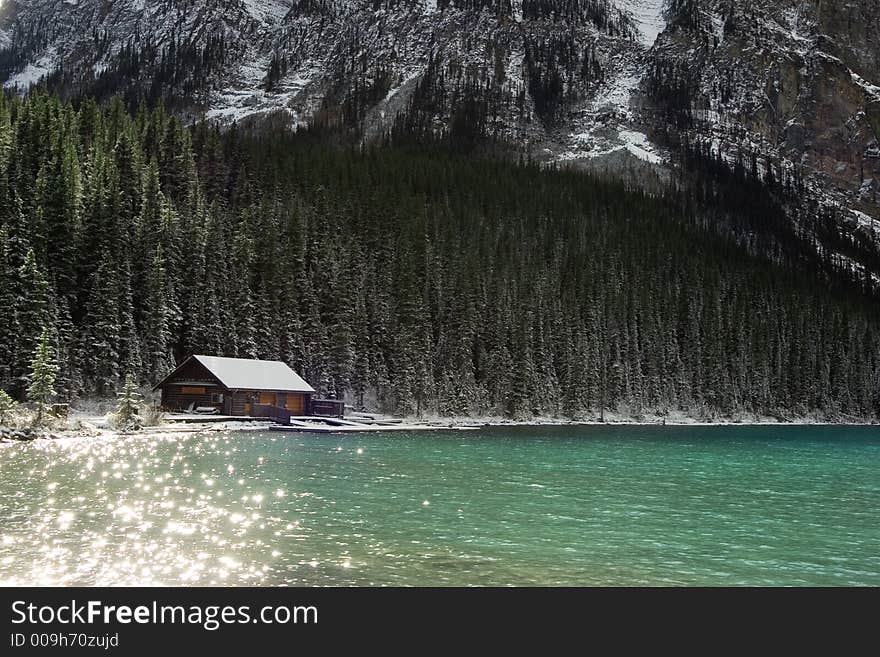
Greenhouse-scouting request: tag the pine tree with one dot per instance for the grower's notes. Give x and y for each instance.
(130, 354)
(9, 330)
(158, 358)
(41, 387)
(58, 204)
(32, 313)
(64, 337)
(99, 342)
(7, 405)
(241, 293)
(126, 417)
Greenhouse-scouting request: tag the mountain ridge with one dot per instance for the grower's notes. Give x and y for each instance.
(790, 89)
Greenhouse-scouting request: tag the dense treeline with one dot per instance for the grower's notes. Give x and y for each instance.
(413, 280)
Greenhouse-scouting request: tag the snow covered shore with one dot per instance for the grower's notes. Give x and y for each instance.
(96, 426)
(672, 418)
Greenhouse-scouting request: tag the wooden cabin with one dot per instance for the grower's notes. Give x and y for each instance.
(236, 386)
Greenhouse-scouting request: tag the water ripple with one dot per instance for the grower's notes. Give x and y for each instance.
(512, 506)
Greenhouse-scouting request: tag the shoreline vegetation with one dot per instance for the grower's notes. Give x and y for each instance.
(93, 421)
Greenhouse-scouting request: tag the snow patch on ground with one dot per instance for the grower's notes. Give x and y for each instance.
(33, 72)
(867, 221)
(590, 146)
(267, 11)
(406, 80)
(717, 27)
(608, 123)
(858, 269)
(516, 7)
(637, 143)
(615, 95)
(648, 15)
(624, 416)
(794, 17)
(871, 89)
(248, 98)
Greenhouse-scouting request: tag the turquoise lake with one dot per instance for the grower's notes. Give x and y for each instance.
(499, 506)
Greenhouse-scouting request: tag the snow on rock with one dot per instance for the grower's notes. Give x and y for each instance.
(616, 94)
(648, 15)
(637, 143)
(32, 73)
(268, 11)
(589, 145)
(26, 78)
(870, 89)
(409, 77)
(249, 98)
(609, 124)
(795, 19)
(867, 221)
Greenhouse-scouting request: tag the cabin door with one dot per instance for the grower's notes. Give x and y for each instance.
(294, 404)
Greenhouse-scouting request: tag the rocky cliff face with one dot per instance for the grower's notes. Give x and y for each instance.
(789, 85)
(795, 81)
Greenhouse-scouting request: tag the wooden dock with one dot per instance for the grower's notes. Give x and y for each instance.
(192, 417)
(335, 425)
(312, 424)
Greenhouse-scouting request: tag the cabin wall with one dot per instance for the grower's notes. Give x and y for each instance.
(192, 385)
(296, 403)
(240, 403)
(243, 401)
(176, 397)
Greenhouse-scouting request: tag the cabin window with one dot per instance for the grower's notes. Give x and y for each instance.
(191, 390)
(267, 398)
(217, 398)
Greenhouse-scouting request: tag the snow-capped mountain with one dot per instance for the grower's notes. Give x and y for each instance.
(789, 85)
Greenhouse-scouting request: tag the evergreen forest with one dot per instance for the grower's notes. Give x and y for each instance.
(412, 276)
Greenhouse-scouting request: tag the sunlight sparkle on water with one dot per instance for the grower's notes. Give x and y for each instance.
(126, 532)
(637, 506)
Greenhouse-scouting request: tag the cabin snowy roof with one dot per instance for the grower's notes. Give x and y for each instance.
(246, 374)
